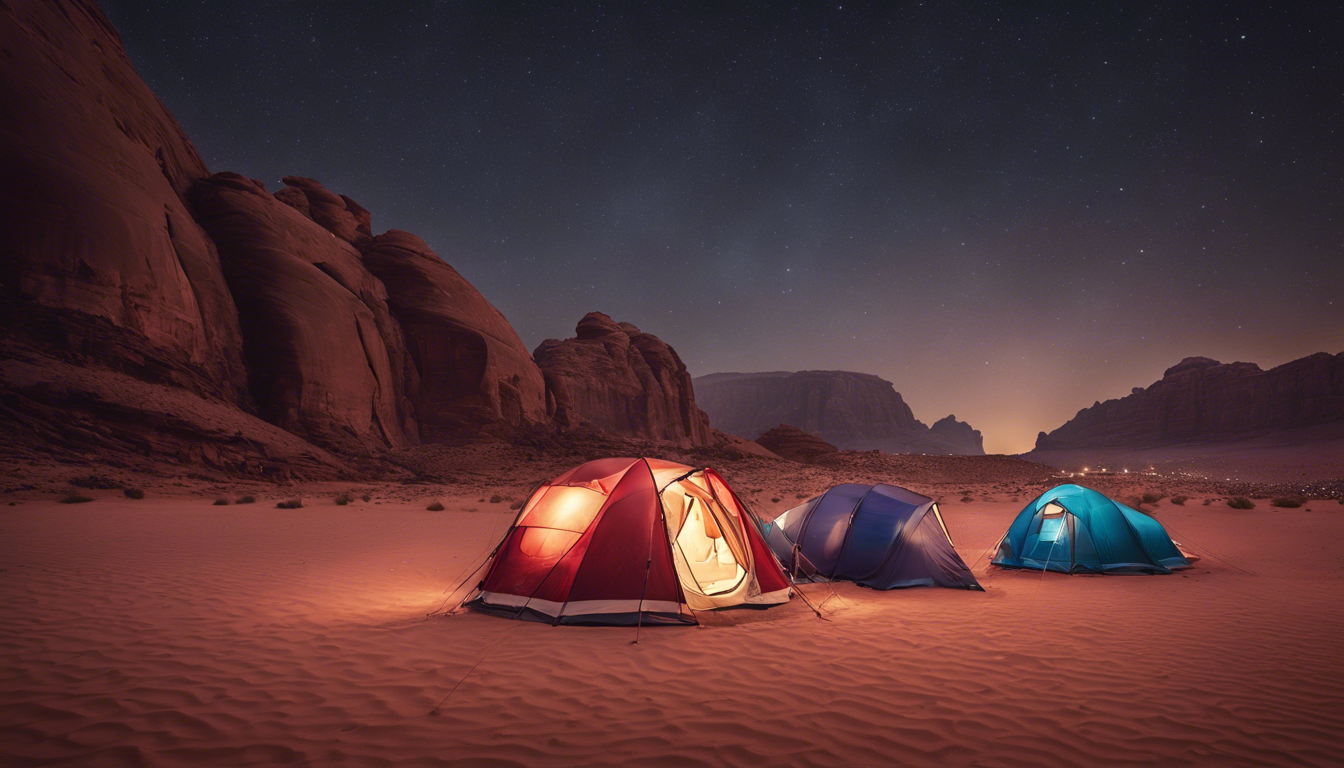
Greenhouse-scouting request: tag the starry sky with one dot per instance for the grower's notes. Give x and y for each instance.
(1008, 210)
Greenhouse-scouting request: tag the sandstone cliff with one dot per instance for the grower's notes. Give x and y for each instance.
(185, 300)
(854, 411)
(1204, 401)
(473, 369)
(101, 262)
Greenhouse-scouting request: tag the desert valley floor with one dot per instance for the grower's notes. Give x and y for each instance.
(171, 631)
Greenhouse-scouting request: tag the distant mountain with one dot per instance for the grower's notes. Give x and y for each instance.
(853, 411)
(1204, 401)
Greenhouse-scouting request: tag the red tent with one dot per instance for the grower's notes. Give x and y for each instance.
(621, 541)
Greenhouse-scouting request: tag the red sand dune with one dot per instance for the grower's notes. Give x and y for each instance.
(172, 632)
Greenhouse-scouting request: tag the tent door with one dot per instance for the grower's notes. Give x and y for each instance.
(1050, 543)
(706, 555)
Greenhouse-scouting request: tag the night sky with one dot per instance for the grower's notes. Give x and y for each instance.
(1008, 212)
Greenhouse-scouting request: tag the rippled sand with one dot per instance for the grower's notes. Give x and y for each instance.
(172, 632)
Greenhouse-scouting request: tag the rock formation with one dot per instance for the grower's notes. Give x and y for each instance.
(319, 341)
(473, 368)
(854, 411)
(181, 296)
(616, 378)
(794, 444)
(1203, 401)
(959, 433)
(101, 261)
(191, 299)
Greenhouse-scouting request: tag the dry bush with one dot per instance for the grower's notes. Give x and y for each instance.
(75, 498)
(246, 500)
(1179, 500)
(289, 504)
(221, 502)
(1289, 502)
(436, 506)
(134, 493)
(1240, 502)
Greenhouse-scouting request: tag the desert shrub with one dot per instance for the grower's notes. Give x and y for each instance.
(496, 499)
(1240, 502)
(246, 500)
(75, 498)
(966, 499)
(221, 502)
(800, 495)
(436, 506)
(366, 497)
(95, 482)
(134, 493)
(1207, 502)
(343, 499)
(1291, 502)
(1179, 500)
(1152, 498)
(289, 504)
(516, 505)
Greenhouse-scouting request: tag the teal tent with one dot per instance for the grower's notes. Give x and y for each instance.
(1073, 529)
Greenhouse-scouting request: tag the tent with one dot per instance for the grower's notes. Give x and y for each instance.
(626, 541)
(879, 536)
(1071, 529)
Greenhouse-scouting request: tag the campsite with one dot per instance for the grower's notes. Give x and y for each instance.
(671, 384)
(172, 630)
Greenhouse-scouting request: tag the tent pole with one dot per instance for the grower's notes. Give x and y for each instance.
(648, 566)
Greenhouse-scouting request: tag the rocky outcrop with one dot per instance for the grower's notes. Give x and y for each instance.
(616, 378)
(473, 369)
(1200, 400)
(320, 343)
(959, 433)
(854, 411)
(337, 214)
(794, 444)
(101, 262)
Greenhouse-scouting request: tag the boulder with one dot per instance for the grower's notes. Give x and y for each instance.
(616, 378)
(854, 411)
(792, 443)
(325, 358)
(1200, 400)
(474, 372)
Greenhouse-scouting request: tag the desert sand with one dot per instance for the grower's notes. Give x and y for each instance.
(170, 631)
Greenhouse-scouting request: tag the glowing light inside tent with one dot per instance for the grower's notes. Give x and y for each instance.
(570, 508)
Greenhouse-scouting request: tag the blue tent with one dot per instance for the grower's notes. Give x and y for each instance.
(1071, 529)
(880, 536)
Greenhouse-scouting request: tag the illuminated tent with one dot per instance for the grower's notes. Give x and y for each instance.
(879, 536)
(626, 541)
(1071, 529)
